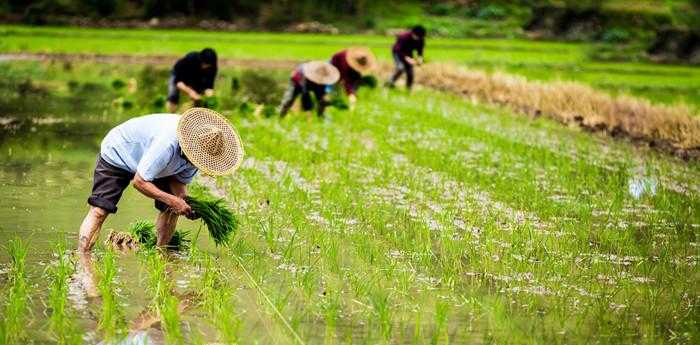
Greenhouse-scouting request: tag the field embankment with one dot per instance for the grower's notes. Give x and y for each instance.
(673, 129)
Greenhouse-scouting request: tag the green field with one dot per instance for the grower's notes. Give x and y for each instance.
(536, 60)
(421, 218)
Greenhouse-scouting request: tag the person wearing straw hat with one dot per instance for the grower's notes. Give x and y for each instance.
(310, 77)
(402, 51)
(353, 63)
(159, 154)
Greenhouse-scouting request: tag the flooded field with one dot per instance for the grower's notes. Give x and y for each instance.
(419, 218)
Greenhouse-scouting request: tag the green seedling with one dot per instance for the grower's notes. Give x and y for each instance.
(220, 221)
(145, 234)
(15, 312)
(111, 322)
(61, 321)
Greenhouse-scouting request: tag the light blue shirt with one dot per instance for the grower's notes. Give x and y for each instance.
(148, 145)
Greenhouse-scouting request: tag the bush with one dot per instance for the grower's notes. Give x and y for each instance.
(615, 35)
(492, 11)
(260, 87)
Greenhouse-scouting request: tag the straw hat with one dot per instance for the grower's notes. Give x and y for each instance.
(320, 72)
(209, 141)
(361, 59)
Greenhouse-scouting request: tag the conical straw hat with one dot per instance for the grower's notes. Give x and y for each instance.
(320, 72)
(209, 141)
(361, 59)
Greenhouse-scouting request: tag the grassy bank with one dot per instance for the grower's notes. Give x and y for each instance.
(546, 61)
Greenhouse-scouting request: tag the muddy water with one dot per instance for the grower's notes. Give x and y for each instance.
(45, 179)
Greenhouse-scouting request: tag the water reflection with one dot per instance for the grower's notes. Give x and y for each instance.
(145, 327)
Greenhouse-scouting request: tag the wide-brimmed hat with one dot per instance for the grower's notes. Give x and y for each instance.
(209, 141)
(361, 59)
(320, 72)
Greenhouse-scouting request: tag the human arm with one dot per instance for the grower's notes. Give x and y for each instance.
(176, 203)
(188, 90)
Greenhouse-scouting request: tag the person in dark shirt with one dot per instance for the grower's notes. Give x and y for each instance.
(353, 63)
(310, 77)
(194, 75)
(402, 52)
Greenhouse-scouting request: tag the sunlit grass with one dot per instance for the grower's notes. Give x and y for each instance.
(15, 311)
(111, 323)
(62, 319)
(424, 218)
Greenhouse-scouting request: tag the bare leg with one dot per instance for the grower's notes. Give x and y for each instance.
(90, 228)
(86, 274)
(165, 226)
(172, 107)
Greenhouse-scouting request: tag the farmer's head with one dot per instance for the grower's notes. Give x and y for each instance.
(208, 58)
(209, 141)
(418, 31)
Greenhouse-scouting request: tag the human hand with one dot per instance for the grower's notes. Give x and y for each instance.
(419, 61)
(179, 206)
(411, 61)
(209, 92)
(195, 96)
(352, 99)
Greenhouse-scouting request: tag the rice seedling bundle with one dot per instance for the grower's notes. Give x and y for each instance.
(218, 218)
(143, 233)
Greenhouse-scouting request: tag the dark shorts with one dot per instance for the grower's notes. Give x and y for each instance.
(109, 182)
(173, 92)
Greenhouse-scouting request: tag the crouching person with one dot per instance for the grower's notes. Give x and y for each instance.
(311, 77)
(353, 63)
(194, 74)
(159, 154)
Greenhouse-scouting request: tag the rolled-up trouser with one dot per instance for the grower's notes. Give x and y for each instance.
(294, 90)
(401, 66)
(109, 182)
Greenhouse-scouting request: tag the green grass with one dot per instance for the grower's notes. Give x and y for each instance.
(421, 218)
(62, 319)
(537, 60)
(15, 311)
(164, 301)
(111, 323)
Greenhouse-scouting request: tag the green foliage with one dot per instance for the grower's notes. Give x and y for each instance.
(118, 84)
(615, 35)
(218, 217)
(15, 311)
(145, 233)
(61, 321)
(111, 322)
(260, 87)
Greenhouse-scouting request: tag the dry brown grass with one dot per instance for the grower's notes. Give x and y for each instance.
(673, 127)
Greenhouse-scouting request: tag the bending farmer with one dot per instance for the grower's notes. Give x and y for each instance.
(353, 63)
(309, 77)
(159, 154)
(194, 75)
(402, 51)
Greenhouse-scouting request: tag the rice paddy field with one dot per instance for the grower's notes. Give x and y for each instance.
(419, 218)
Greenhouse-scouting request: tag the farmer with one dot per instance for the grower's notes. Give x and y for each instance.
(310, 77)
(402, 51)
(159, 154)
(353, 63)
(194, 75)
